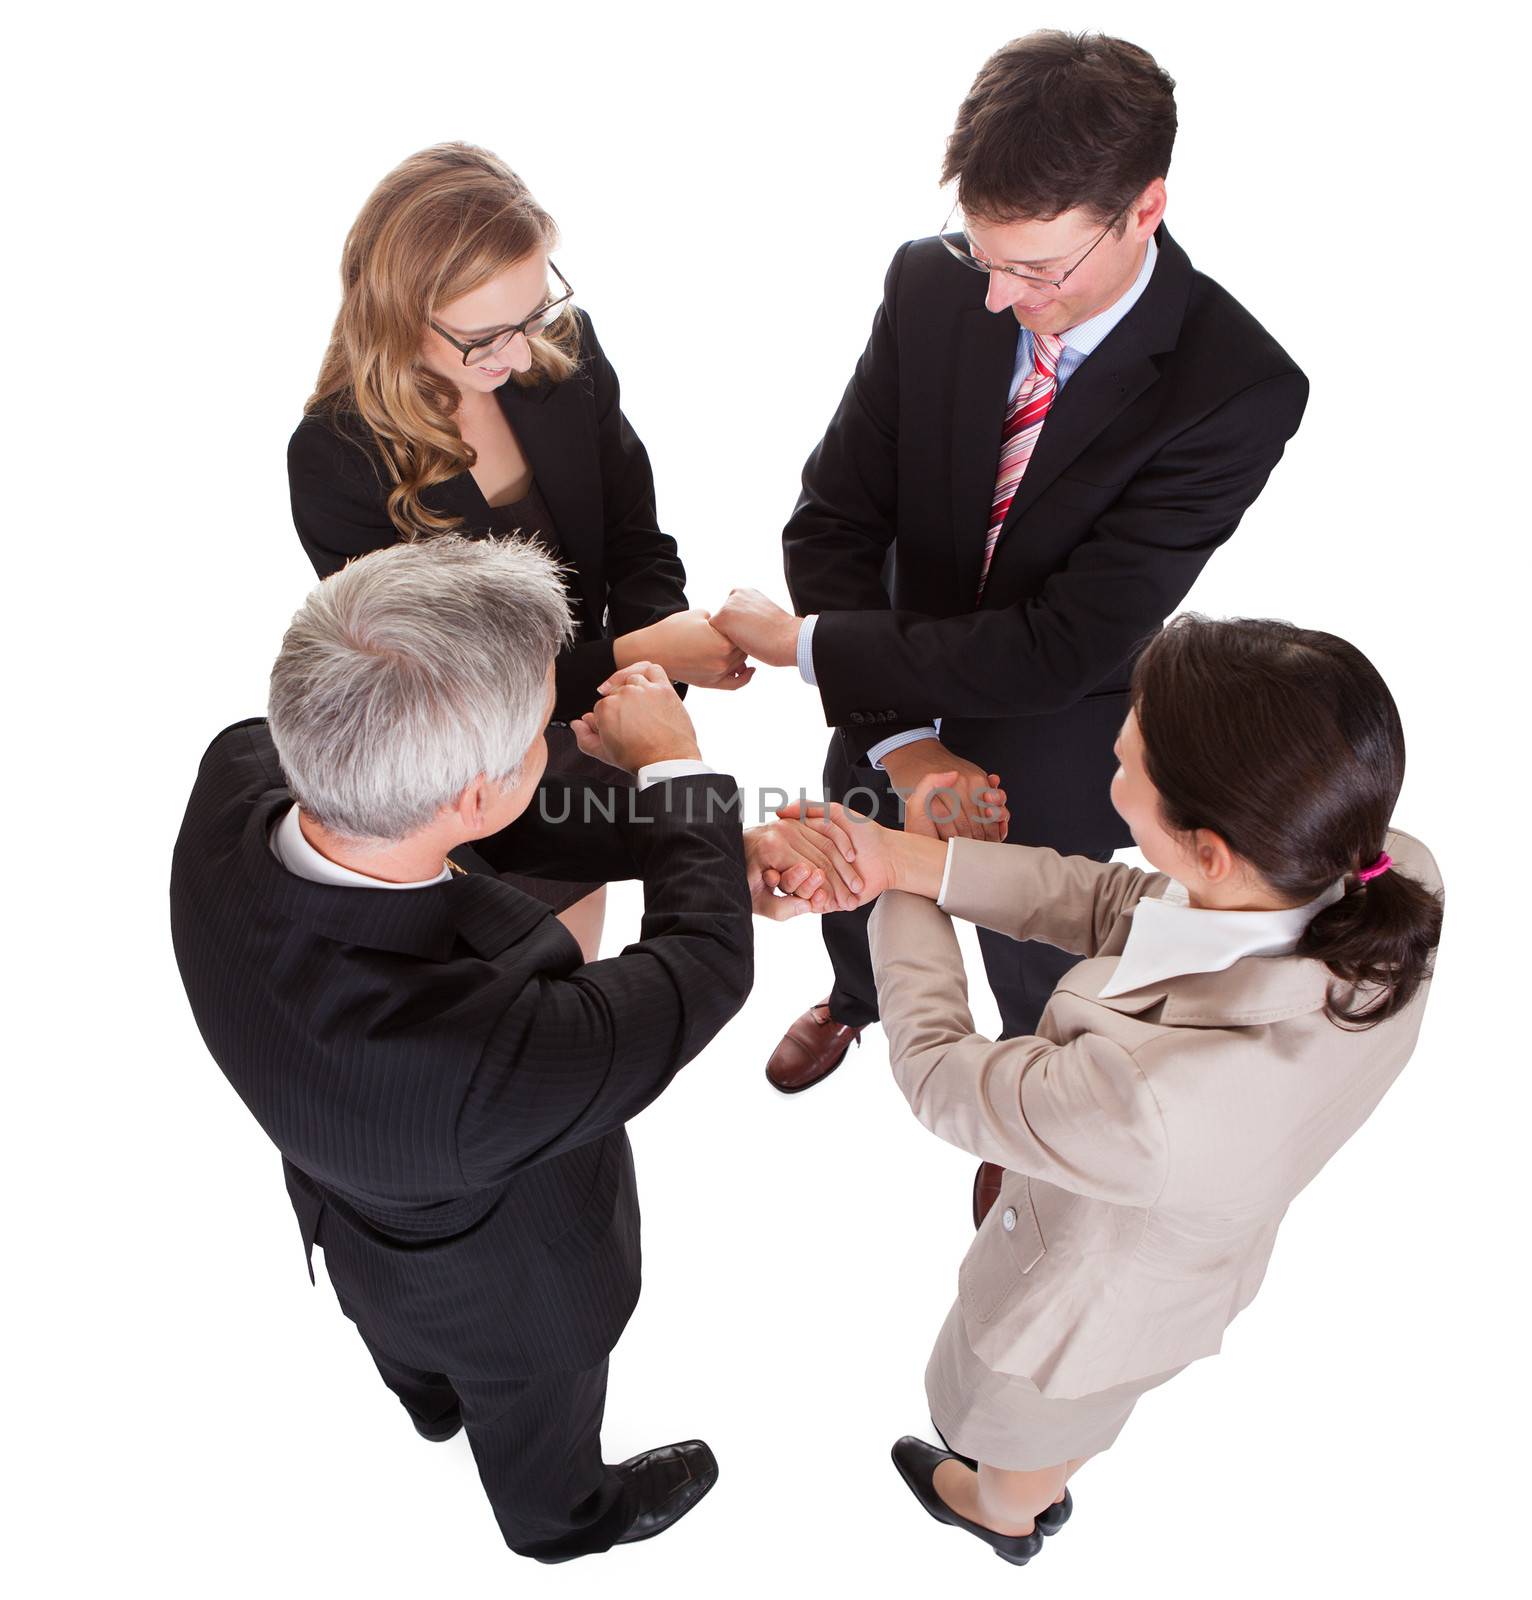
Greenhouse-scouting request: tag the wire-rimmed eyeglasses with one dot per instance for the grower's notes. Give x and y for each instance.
(491, 344)
(969, 255)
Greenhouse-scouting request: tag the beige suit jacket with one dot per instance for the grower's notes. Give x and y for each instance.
(1152, 1141)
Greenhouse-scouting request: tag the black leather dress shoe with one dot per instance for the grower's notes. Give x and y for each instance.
(666, 1483)
(448, 1428)
(917, 1461)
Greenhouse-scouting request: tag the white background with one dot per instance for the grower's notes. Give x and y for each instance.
(185, 1415)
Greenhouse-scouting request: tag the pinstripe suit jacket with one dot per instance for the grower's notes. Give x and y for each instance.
(447, 1084)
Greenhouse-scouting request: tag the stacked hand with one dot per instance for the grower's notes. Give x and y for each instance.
(969, 803)
(639, 719)
(796, 866)
(792, 867)
(885, 858)
(947, 796)
(759, 627)
(689, 648)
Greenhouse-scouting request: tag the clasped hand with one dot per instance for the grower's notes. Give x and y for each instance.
(792, 866)
(813, 857)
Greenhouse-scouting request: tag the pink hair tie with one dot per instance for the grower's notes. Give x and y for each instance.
(1377, 869)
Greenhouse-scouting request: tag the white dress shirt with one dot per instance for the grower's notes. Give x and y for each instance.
(1078, 342)
(293, 850)
(1171, 938)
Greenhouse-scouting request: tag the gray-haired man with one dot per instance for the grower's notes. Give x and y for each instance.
(447, 1084)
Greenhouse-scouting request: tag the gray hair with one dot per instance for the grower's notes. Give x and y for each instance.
(409, 673)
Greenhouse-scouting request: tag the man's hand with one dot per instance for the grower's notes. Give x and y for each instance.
(969, 803)
(794, 867)
(689, 648)
(885, 858)
(759, 627)
(639, 719)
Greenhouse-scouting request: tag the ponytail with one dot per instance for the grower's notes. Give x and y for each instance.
(1287, 744)
(1379, 937)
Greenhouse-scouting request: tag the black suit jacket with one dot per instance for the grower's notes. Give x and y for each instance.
(1148, 458)
(446, 1081)
(593, 473)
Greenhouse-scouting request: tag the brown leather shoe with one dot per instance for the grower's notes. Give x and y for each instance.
(986, 1189)
(810, 1050)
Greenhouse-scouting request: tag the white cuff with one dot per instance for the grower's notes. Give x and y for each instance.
(895, 741)
(806, 651)
(941, 894)
(681, 767)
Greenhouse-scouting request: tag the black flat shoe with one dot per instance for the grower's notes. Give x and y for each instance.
(1049, 1520)
(448, 1428)
(667, 1482)
(917, 1461)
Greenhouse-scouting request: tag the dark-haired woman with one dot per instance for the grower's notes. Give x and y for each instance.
(462, 389)
(1240, 1013)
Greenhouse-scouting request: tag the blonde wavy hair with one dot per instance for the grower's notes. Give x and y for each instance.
(442, 223)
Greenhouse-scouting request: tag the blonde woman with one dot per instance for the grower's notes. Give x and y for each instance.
(464, 390)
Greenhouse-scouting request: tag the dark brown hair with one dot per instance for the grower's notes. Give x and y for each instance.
(1058, 120)
(1287, 744)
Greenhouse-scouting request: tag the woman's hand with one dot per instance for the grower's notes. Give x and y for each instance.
(795, 867)
(689, 648)
(885, 858)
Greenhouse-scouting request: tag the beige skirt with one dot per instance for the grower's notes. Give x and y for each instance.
(1002, 1420)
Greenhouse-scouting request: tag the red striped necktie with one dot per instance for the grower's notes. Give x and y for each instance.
(1023, 422)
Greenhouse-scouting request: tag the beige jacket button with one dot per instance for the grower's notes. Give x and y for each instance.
(1008, 1219)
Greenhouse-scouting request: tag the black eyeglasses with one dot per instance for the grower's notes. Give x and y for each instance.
(970, 258)
(493, 343)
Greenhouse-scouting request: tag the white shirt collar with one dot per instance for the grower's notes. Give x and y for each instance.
(296, 854)
(1088, 335)
(1170, 939)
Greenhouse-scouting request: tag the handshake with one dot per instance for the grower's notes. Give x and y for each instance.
(708, 649)
(813, 858)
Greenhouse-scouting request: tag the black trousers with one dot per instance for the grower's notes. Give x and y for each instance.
(537, 1444)
(1022, 973)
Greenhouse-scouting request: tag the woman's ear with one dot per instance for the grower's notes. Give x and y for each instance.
(1215, 860)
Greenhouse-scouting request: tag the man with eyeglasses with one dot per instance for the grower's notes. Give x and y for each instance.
(1056, 421)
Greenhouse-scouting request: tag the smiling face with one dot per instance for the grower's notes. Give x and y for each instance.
(509, 297)
(1049, 249)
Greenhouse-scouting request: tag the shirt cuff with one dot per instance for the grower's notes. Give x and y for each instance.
(806, 650)
(895, 741)
(681, 767)
(941, 894)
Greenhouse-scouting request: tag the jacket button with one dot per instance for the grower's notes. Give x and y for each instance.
(1008, 1220)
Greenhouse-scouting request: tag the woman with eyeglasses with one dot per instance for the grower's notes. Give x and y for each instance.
(463, 389)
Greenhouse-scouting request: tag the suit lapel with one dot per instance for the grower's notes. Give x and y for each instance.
(985, 361)
(560, 446)
(1110, 379)
(1254, 991)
